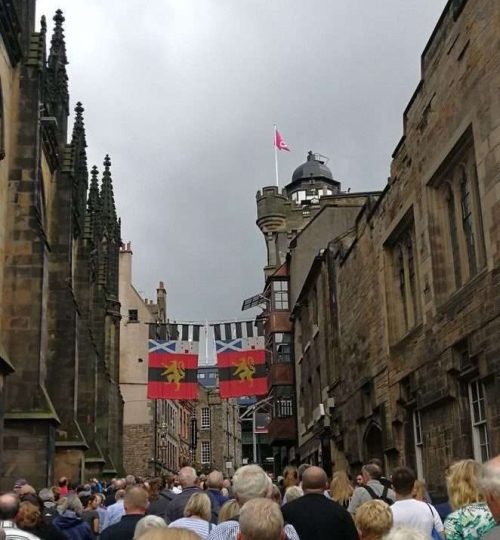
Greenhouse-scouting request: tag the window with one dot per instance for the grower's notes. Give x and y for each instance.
(133, 315)
(419, 443)
(280, 295)
(283, 407)
(457, 242)
(205, 452)
(403, 288)
(452, 224)
(468, 221)
(282, 343)
(205, 418)
(480, 441)
(299, 196)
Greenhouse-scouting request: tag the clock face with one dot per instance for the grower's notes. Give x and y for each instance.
(315, 200)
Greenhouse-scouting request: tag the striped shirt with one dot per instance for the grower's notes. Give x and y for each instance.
(12, 532)
(199, 526)
(229, 531)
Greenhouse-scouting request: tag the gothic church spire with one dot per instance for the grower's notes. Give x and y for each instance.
(57, 77)
(108, 209)
(92, 214)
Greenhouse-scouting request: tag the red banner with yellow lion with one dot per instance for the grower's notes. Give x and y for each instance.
(173, 369)
(242, 367)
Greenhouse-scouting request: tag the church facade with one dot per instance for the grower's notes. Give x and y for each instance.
(59, 249)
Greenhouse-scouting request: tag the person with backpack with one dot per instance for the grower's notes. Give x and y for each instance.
(372, 488)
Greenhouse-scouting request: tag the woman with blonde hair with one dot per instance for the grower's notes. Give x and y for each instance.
(471, 517)
(196, 516)
(341, 488)
(373, 520)
(229, 510)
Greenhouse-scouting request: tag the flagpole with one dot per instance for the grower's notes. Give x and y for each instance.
(206, 342)
(276, 156)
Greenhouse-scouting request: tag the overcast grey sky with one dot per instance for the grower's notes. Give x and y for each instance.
(183, 95)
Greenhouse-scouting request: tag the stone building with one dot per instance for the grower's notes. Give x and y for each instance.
(59, 243)
(297, 223)
(219, 431)
(418, 294)
(396, 319)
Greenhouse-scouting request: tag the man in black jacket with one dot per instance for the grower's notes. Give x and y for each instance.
(136, 503)
(316, 517)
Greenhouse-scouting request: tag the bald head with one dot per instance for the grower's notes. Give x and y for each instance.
(187, 477)
(314, 479)
(9, 506)
(135, 500)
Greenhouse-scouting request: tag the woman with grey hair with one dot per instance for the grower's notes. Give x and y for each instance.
(148, 522)
(69, 520)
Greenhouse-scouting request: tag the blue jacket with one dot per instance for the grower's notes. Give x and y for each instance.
(72, 526)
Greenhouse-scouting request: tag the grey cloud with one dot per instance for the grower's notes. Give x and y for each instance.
(183, 95)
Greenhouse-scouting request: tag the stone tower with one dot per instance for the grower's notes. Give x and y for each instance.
(281, 215)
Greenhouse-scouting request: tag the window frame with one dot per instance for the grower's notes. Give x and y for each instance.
(205, 451)
(458, 248)
(133, 320)
(205, 419)
(418, 443)
(282, 349)
(280, 298)
(403, 291)
(480, 436)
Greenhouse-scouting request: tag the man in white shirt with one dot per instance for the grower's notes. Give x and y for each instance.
(410, 512)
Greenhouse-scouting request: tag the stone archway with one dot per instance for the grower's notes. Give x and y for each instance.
(373, 443)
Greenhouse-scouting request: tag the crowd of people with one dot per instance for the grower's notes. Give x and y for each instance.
(302, 505)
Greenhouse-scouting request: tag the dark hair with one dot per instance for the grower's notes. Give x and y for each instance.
(403, 480)
(86, 499)
(155, 486)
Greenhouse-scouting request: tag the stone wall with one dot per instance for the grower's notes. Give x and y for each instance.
(417, 337)
(137, 448)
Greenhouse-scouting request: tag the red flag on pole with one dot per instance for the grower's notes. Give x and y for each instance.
(279, 142)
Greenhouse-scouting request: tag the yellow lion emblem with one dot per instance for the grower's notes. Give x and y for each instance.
(174, 373)
(245, 368)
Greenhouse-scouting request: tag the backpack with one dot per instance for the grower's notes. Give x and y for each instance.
(383, 496)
